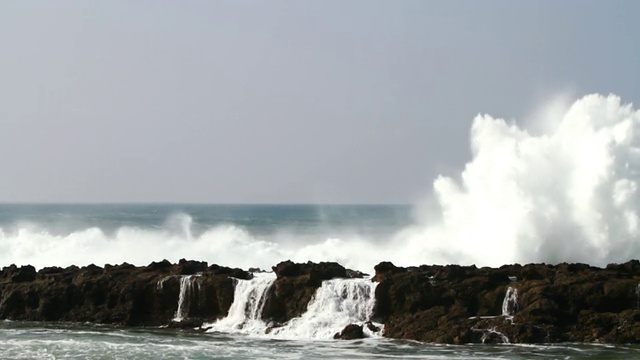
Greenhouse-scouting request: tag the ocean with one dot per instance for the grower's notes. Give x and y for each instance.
(357, 236)
(231, 235)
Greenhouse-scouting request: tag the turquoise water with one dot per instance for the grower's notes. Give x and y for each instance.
(60, 219)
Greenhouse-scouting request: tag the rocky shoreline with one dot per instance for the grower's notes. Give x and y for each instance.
(534, 303)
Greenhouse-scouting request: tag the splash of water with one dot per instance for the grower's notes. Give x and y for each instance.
(246, 310)
(189, 288)
(510, 302)
(490, 335)
(568, 192)
(336, 304)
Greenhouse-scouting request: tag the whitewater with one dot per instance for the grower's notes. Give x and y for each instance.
(567, 191)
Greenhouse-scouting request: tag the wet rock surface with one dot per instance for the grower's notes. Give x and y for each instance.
(350, 332)
(121, 294)
(464, 304)
(294, 287)
(534, 303)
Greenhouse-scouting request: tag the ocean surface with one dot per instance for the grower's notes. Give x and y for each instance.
(233, 235)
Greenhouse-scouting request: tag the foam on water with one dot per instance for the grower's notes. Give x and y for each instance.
(75, 341)
(568, 192)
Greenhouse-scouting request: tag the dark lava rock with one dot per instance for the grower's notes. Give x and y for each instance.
(355, 274)
(190, 267)
(372, 327)
(116, 294)
(350, 332)
(191, 323)
(441, 304)
(162, 266)
(24, 274)
(287, 269)
(232, 272)
(316, 272)
(461, 304)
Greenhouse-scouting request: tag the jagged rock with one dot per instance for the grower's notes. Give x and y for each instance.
(24, 274)
(190, 267)
(235, 272)
(162, 266)
(191, 323)
(316, 272)
(566, 302)
(441, 304)
(287, 269)
(355, 274)
(372, 327)
(116, 294)
(350, 332)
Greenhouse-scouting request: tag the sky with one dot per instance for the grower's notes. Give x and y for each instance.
(282, 101)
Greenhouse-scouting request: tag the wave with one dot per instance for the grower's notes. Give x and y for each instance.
(569, 193)
(566, 193)
(228, 245)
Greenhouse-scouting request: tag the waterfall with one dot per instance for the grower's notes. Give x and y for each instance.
(245, 311)
(336, 304)
(510, 302)
(160, 283)
(189, 286)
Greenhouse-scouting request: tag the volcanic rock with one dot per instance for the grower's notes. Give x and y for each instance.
(350, 332)
(461, 304)
(121, 294)
(294, 287)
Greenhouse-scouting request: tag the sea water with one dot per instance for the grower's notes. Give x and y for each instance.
(231, 235)
(253, 235)
(20, 340)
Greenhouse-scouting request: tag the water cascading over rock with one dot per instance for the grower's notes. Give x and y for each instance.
(510, 302)
(335, 305)
(245, 314)
(189, 288)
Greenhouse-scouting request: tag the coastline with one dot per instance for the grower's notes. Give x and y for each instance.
(532, 303)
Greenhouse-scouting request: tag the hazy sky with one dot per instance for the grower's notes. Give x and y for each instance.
(282, 101)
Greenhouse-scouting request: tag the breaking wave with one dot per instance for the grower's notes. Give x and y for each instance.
(568, 192)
